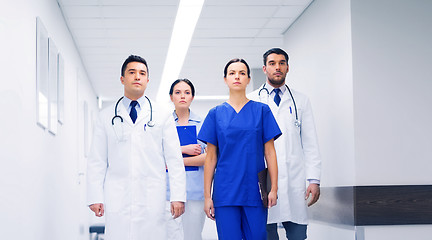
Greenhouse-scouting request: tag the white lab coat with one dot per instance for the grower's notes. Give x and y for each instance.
(129, 176)
(297, 154)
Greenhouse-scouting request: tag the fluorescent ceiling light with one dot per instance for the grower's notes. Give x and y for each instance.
(184, 27)
(213, 97)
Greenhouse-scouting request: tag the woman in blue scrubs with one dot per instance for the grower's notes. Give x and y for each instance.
(240, 136)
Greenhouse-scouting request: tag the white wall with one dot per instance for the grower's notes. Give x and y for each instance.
(40, 195)
(366, 66)
(319, 46)
(392, 82)
(417, 232)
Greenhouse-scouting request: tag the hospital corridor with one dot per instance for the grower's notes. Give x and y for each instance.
(144, 119)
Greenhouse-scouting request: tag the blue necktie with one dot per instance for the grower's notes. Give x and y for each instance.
(133, 112)
(277, 98)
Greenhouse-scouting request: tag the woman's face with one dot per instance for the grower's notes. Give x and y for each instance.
(182, 95)
(237, 77)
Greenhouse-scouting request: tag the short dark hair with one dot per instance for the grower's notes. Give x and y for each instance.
(234, 61)
(182, 80)
(276, 51)
(132, 58)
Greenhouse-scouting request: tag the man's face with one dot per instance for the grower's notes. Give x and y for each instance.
(135, 80)
(276, 69)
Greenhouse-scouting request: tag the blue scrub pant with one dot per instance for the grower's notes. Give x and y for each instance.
(240, 222)
(293, 231)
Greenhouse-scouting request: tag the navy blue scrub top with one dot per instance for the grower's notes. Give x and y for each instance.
(239, 138)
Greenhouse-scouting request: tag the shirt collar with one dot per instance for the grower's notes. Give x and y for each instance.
(126, 101)
(270, 88)
(192, 117)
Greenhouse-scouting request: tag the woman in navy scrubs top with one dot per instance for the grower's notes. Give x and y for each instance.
(240, 136)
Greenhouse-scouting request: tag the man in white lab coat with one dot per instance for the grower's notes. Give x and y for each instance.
(133, 143)
(298, 157)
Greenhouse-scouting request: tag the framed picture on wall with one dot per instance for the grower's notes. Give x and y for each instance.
(42, 75)
(52, 86)
(86, 129)
(60, 91)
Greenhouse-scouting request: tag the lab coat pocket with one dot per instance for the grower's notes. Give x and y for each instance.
(115, 195)
(152, 134)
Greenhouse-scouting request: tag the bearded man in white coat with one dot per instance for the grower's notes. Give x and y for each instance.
(298, 157)
(134, 141)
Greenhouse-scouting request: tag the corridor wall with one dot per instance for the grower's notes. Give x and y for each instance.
(41, 177)
(365, 66)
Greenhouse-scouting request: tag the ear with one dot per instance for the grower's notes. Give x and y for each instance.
(171, 97)
(122, 80)
(287, 67)
(264, 69)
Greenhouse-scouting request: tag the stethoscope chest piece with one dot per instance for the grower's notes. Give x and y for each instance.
(150, 123)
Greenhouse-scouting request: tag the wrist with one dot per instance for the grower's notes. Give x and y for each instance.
(314, 181)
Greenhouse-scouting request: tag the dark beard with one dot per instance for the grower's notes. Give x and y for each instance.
(276, 83)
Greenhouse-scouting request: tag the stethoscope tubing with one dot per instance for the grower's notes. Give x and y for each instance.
(292, 97)
(150, 123)
(115, 112)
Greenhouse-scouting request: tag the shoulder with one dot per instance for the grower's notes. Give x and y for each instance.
(299, 95)
(213, 112)
(219, 107)
(301, 99)
(259, 105)
(161, 109)
(193, 116)
(108, 110)
(254, 94)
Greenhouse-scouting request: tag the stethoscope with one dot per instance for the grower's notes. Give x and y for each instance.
(297, 122)
(150, 123)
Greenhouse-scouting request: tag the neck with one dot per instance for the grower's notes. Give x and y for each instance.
(237, 98)
(183, 115)
(275, 85)
(133, 97)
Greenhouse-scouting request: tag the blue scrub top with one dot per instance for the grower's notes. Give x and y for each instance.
(239, 138)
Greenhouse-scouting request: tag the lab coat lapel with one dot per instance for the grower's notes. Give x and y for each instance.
(286, 98)
(122, 111)
(274, 108)
(144, 114)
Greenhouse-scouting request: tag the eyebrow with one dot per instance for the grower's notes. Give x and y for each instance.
(272, 61)
(133, 69)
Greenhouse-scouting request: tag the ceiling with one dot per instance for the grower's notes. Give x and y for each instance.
(107, 31)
